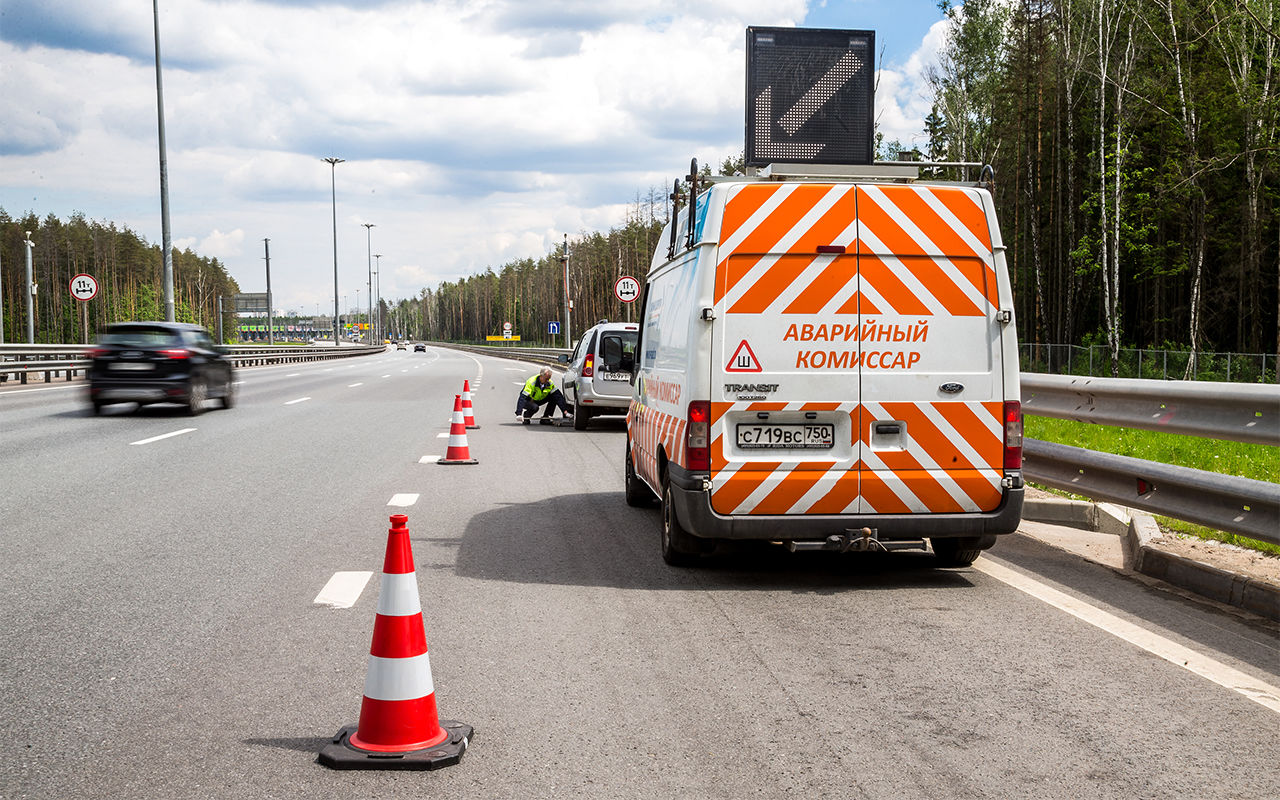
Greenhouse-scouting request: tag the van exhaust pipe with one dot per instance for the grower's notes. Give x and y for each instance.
(860, 541)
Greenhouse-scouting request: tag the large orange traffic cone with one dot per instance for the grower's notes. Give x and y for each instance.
(468, 412)
(458, 452)
(399, 727)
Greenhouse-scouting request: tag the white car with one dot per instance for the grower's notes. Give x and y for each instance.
(597, 379)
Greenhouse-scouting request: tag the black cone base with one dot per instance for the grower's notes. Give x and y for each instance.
(340, 754)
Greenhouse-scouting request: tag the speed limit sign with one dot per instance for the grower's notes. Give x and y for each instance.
(84, 287)
(627, 289)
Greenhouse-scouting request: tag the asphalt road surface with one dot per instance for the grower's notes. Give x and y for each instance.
(161, 637)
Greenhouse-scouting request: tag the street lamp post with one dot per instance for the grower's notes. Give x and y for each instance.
(333, 188)
(378, 289)
(271, 328)
(165, 234)
(368, 231)
(30, 292)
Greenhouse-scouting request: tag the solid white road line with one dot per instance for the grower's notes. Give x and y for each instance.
(354, 385)
(163, 436)
(513, 369)
(343, 589)
(299, 400)
(402, 500)
(1256, 690)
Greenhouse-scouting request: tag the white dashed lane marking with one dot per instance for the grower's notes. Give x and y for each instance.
(402, 500)
(1229, 677)
(299, 400)
(343, 589)
(429, 459)
(354, 385)
(163, 436)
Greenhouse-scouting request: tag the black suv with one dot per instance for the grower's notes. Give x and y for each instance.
(159, 362)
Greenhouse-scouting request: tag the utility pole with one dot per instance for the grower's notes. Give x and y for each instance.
(31, 293)
(271, 328)
(568, 304)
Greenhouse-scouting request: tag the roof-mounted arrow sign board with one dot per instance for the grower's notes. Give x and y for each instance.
(810, 96)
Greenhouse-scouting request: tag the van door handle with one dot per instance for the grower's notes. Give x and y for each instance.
(888, 428)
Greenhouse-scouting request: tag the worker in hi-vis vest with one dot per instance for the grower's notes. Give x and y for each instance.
(538, 391)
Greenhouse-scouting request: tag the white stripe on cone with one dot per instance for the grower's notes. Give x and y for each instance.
(398, 595)
(398, 678)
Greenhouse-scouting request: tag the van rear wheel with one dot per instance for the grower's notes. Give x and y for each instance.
(679, 549)
(638, 495)
(956, 552)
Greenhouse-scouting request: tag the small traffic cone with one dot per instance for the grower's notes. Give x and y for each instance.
(468, 412)
(399, 727)
(458, 452)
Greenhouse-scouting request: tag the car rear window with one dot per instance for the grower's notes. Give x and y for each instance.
(618, 350)
(139, 337)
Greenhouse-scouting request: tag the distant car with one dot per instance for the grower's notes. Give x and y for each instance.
(159, 362)
(401, 346)
(419, 348)
(597, 379)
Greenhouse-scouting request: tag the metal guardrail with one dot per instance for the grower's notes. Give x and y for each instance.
(1238, 412)
(22, 360)
(1223, 502)
(541, 355)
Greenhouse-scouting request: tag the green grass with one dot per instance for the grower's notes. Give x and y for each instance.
(1258, 461)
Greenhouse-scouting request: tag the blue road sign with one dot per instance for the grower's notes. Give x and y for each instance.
(553, 327)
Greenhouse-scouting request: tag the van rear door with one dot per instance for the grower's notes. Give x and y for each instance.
(931, 388)
(784, 426)
(855, 352)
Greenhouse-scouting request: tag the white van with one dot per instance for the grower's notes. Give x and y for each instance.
(830, 365)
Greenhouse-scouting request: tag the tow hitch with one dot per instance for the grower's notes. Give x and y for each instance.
(862, 541)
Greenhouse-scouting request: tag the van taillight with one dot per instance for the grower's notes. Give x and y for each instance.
(697, 436)
(1013, 435)
(589, 366)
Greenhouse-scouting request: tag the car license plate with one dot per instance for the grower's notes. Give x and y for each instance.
(615, 376)
(782, 436)
(135, 366)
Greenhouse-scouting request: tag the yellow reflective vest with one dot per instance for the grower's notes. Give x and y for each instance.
(537, 393)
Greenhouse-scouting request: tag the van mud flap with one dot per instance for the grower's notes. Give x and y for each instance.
(861, 540)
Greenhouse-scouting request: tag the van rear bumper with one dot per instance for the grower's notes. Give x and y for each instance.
(693, 508)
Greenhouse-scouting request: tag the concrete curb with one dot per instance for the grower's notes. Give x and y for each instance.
(1136, 530)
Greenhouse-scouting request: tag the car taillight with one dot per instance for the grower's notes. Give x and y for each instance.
(1013, 435)
(97, 352)
(589, 366)
(176, 352)
(697, 441)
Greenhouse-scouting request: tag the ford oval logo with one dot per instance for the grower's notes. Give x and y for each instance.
(952, 388)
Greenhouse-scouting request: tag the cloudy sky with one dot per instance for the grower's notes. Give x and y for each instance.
(474, 131)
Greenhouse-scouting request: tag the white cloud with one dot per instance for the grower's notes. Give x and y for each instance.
(475, 132)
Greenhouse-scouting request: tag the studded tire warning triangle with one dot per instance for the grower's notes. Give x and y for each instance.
(743, 360)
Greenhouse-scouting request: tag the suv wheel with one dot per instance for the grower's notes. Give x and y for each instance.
(196, 396)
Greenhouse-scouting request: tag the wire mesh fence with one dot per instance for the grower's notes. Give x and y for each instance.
(1095, 361)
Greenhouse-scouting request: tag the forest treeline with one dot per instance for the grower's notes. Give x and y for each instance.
(1135, 152)
(129, 272)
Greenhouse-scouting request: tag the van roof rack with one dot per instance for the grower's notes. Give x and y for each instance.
(888, 171)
